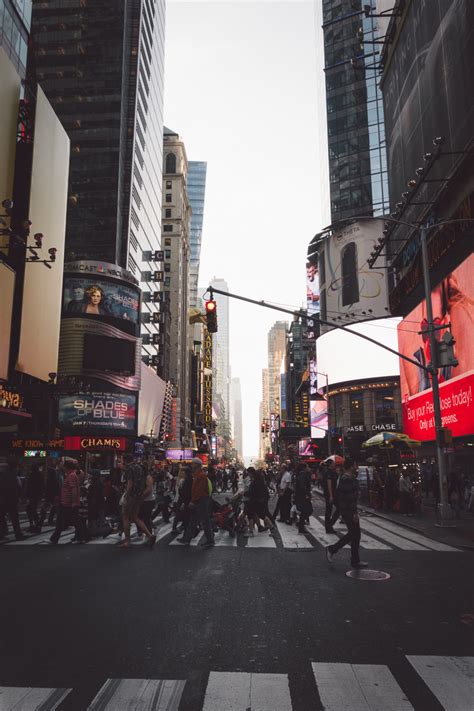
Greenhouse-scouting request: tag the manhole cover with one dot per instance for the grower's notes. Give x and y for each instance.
(365, 574)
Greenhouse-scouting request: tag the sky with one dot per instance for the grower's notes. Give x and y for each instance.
(241, 90)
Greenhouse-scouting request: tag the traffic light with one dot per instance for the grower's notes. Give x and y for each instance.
(446, 355)
(211, 316)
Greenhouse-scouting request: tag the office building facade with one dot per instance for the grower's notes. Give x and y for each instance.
(197, 171)
(237, 432)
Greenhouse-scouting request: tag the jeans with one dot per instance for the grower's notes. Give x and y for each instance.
(330, 518)
(200, 514)
(32, 511)
(352, 536)
(67, 516)
(285, 505)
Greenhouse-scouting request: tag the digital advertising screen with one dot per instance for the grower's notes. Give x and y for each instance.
(319, 418)
(108, 354)
(453, 303)
(95, 296)
(98, 412)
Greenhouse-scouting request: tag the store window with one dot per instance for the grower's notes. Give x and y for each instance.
(385, 407)
(356, 408)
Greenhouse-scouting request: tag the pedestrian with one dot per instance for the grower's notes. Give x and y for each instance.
(10, 487)
(348, 493)
(303, 497)
(34, 493)
(329, 477)
(456, 491)
(52, 488)
(148, 503)
(258, 498)
(199, 506)
(69, 501)
(182, 510)
(405, 487)
(284, 493)
(234, 480)
(132, 499)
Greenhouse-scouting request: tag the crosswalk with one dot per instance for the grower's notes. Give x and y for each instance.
(444, 682)
(377, 535)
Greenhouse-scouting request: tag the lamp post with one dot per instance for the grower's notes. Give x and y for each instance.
(432, 367)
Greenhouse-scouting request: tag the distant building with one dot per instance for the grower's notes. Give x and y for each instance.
(236, 400)
(196, 184)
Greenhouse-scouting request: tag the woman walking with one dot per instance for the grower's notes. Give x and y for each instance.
(258, 497)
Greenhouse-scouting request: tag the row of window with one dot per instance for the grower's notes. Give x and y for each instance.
(383, 404)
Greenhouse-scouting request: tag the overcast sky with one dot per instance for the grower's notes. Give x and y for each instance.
(241, 91)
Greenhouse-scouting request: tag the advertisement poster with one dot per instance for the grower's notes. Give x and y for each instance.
(453, 303)
(98, 297)
(98, 411)
(319, 419)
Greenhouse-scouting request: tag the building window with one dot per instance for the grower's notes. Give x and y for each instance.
(167, 228)
(170, 163)
(350, 277)
(384, 407)
(336, 410)
(168, 253)
(168, 212)
(167, 267)
(356, 408)
(169, 184)
(167, 281)
(168, 197)
(167, 242)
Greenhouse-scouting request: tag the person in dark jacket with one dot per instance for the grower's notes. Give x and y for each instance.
(258, 497)
(347, 496)
(9, 492)
(34, 493)
(51, 493)
(183, 512)
(329, 482)
(303, 497)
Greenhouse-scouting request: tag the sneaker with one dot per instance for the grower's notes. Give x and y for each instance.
(329, 555)
(359, 564)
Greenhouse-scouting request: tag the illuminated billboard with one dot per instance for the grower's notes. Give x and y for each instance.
(95, 296)
(453, 303)
(319, 418)
(98, 411)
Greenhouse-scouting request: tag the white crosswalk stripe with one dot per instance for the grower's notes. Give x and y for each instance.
(340, 687)
(377, 535)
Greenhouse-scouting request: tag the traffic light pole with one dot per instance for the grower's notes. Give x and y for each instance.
(433, 369)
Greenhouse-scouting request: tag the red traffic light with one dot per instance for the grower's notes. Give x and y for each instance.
(211, 316)
(210, 306)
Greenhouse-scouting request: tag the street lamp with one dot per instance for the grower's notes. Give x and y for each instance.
(432, 367)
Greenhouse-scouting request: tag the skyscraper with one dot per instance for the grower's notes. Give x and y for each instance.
(236, 400)
(355, 120)
(196, 185)
(108, 94)
(276, 353)
(15, 22)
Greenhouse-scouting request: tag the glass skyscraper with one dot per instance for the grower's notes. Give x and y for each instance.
(101, 65)
(196, 184)
(15, 20)
(355, 121)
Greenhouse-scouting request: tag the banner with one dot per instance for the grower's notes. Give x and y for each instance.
(99, 297)
(453, 306)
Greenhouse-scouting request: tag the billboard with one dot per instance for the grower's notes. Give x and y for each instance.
(40, 318)
(319, 418)
(7, 287)
(453, 303)
(98, 411)
(350, 290)
(11, 87)
(427, 92)
(95, 296)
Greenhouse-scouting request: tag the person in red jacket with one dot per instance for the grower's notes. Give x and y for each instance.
(200, 506)
(69, 501)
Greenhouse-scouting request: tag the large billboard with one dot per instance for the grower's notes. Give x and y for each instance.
(7, 287)
(11, 87)
(40, 318)
(453, 303)
(350, 291)
(428, 90)
(98, 412)
(319, 418)
(94, 296)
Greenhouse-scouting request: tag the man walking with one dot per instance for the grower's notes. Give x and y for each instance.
(285, 489)
(134, 495)
(347, 493)
(200, 506)
(9, 491)
(69, 500)
(329, 489)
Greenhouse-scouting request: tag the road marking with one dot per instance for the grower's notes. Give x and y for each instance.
(241, 691)
(371, 544)
(143, 694)
(261, 540)
(412, 536)
(402, 543)
(14, 698)
(450, 679)
(317, 530)
(359, 687)
(291, 538)
(222, 538)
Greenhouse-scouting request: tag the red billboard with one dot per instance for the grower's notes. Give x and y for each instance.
(453, 303)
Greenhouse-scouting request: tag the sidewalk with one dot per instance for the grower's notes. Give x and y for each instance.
(458, 532)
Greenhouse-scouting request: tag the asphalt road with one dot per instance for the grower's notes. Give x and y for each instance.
(75, 616)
